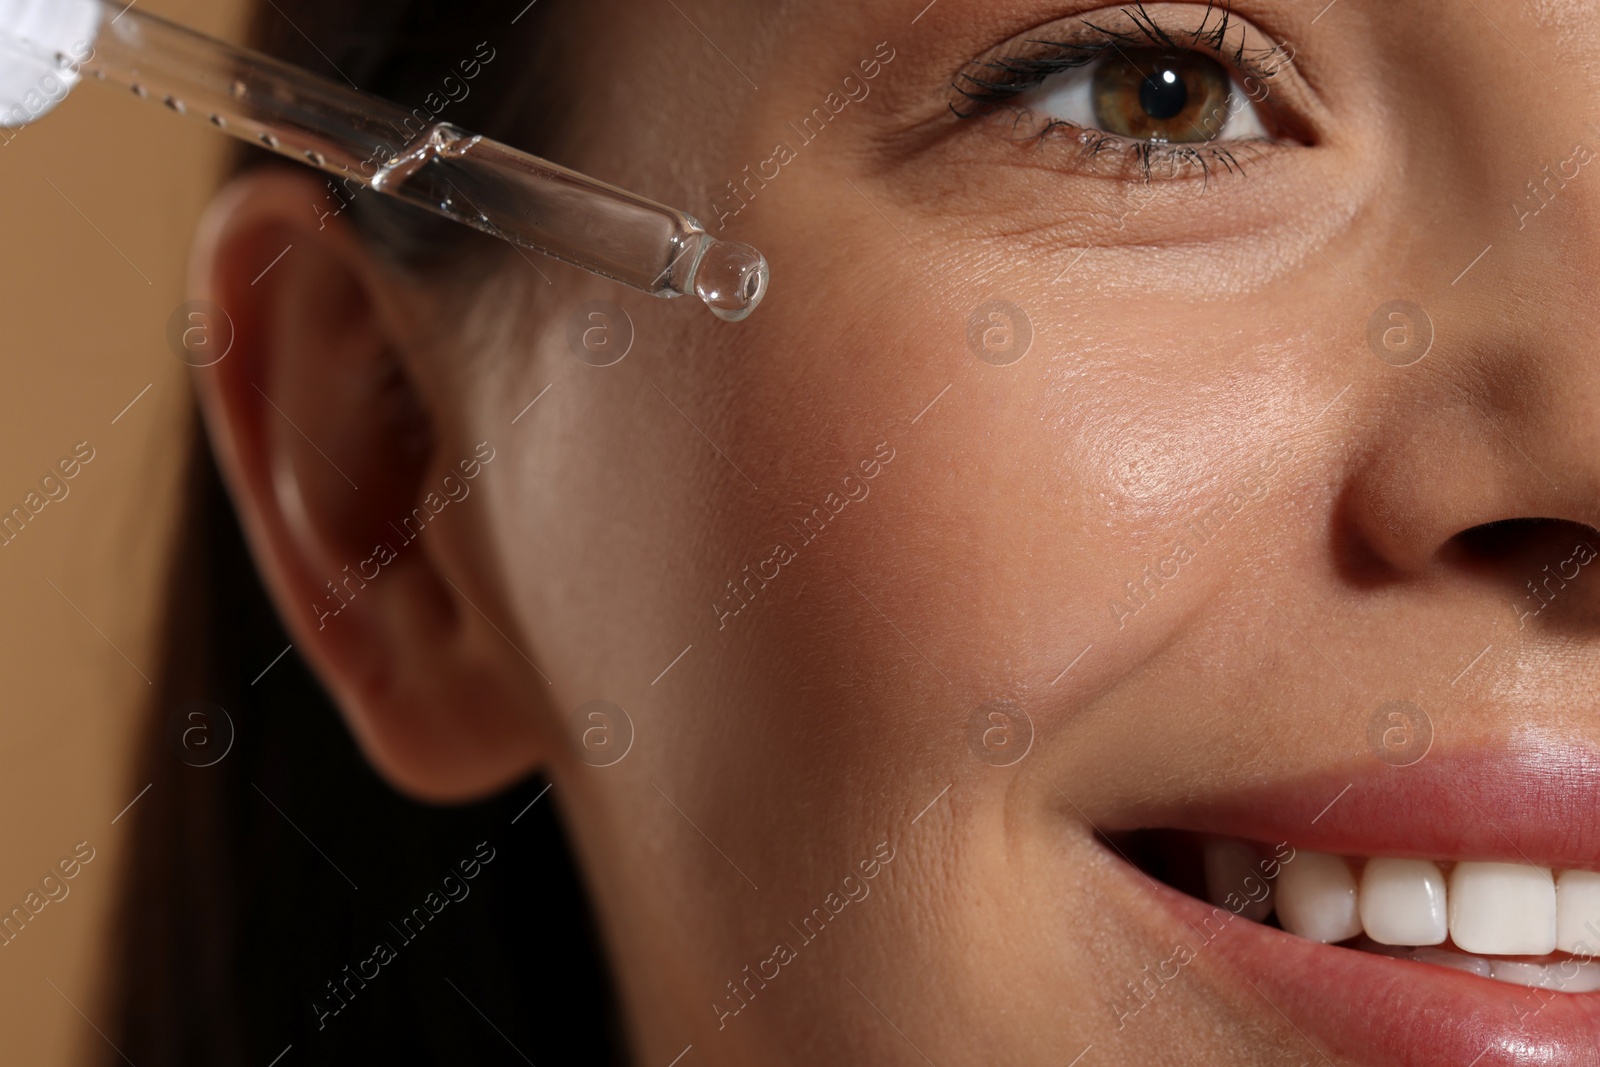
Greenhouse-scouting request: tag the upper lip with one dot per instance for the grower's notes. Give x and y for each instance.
(1539, 806)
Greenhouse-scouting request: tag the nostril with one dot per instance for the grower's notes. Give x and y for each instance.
(1505, 538)
(1546, 567)
(1518, 543)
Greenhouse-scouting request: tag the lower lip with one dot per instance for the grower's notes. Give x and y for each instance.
(1375, 1010)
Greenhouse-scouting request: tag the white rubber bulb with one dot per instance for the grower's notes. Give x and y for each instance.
(43, 43)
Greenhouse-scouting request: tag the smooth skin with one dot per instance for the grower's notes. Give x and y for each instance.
(1211, 340)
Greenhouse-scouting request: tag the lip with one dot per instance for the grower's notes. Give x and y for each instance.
(1540, 807)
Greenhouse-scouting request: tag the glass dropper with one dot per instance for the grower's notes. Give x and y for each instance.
(366, 142)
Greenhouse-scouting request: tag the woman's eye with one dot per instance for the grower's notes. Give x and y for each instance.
(1170, 96)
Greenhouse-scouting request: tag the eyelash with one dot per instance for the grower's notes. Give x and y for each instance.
(1010, 77)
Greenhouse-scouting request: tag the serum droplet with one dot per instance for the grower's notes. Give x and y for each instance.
(731, 279)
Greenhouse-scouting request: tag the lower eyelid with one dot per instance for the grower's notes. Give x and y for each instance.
(1098, 154)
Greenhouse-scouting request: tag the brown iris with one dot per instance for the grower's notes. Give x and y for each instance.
(1155, 94)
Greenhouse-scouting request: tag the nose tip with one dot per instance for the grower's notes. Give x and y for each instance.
(1492, 493)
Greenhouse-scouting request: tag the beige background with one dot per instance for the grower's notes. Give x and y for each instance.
(93, 267)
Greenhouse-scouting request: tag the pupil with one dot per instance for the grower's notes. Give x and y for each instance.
(1162, 94)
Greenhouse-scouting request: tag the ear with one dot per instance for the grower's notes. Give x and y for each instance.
(326, 418)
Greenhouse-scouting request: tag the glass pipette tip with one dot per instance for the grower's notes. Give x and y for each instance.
(48, 46)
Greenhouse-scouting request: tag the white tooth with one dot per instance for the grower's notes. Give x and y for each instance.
(1586, 980)
(1502, 909)
(1578, 913)
(1563, 977)
(1528, 974)
(1403, 902)
(1441, 957)
(1316, 897)
(1231, 872)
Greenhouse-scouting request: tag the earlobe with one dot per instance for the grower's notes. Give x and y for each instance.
(330, 450)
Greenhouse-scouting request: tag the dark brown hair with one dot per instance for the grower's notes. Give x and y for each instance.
(241, 930)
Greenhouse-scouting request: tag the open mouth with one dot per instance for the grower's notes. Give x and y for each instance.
(1507, 922)
(1443, 914)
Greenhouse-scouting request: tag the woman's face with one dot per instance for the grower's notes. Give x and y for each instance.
(1057, 492)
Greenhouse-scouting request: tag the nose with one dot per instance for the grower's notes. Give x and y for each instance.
(1481, 462)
